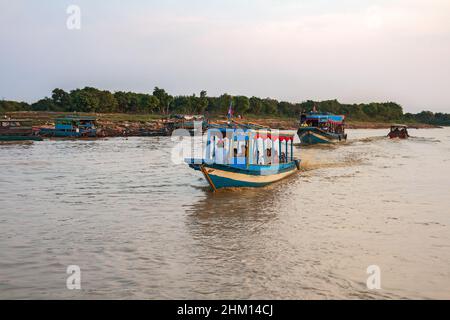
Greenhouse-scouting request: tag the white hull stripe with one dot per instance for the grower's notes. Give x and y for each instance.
(250, 178)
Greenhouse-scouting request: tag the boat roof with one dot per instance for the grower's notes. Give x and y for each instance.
(259, 132)
(324, 117)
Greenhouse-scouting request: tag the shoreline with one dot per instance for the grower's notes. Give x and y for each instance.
(117, 124)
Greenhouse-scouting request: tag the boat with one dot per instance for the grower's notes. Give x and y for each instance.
(316, 127)
(72, 126)
(237, 156)
(17, 130)
(398, 131)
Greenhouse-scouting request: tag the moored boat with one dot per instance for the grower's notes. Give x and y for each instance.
(245, 157)
(17, 130)
(72, 126)
(318, 128)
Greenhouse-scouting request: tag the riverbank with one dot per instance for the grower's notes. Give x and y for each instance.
(118, 124)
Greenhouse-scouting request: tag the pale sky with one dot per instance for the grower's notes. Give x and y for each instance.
(294, 50)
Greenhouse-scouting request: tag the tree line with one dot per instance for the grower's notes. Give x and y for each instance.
(93, 100)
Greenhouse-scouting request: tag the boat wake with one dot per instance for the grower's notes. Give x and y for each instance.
(310, 163)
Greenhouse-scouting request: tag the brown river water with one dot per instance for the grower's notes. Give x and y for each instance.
(140, 227)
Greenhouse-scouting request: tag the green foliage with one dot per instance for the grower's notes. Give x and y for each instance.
(256, 106)
(388, 111)
(241, 104)
(270, 106)
(93, 100)
(190, 104)
(442, 119)
(164, 100)
(45, 104)
(11, 106)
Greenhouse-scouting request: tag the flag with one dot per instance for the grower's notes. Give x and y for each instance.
(230, 110)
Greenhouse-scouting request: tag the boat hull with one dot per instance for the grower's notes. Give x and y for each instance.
(398, 135)
(311, 136)
(20, 138)
(224, 176)
(225, 179)
(50, 132)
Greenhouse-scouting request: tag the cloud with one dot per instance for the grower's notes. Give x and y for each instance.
(357, 51)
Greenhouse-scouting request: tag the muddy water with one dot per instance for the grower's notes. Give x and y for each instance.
(140, 227)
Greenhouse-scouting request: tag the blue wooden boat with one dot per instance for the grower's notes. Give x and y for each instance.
(318, 128)
(245, 157)
(72, 126)
(17, 130)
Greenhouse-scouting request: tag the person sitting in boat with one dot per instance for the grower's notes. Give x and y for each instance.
(243, 150)
(404, 133)
(276, 157)
(268, 156)
(283, 158)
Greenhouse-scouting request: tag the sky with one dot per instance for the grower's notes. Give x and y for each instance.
(356, 51)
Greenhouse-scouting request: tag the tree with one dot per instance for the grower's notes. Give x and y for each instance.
(148, 103)
(91, 99)
(242, 104)
(61, 99)
(224, 103)
(256, 106)
(164, 100)
(45, 104)
(270, 106)
(286, 109)
(11, 106)
(107, 102)
(202, 102)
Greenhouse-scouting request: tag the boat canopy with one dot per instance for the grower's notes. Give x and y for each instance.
(244, 146)
(399, 126)
(325, 118)
(246, 134)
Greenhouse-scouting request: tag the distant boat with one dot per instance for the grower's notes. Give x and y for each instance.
(318, 128)
(72, 126)
(17, 130)
(398, 131)
(246, 157)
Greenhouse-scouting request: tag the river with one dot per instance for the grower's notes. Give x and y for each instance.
(140, 227)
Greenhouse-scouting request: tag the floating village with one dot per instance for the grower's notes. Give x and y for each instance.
(237, 154)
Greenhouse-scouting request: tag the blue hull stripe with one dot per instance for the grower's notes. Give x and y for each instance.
(316, 136)
(221, 182)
